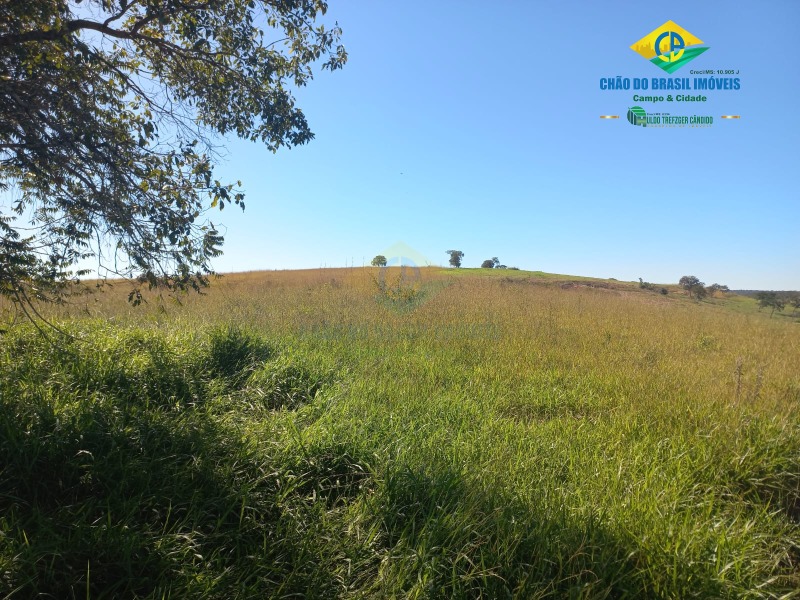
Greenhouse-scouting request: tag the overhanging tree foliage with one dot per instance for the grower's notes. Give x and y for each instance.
(108, 114)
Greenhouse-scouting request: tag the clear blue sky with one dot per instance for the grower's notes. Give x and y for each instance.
(475, 126)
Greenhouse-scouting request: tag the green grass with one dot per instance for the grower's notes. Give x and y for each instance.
(309, 435)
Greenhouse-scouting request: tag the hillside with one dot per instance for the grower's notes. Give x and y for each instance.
(368, 433)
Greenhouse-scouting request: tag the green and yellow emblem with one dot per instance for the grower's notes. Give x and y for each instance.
(669, 47)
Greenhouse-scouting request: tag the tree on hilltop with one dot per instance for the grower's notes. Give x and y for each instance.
(455, 258)
(700, 292)
(108, 115)
(716, 288)
(379, 261)
(692, 285)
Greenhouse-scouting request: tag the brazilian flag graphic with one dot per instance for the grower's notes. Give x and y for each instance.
(669, 47)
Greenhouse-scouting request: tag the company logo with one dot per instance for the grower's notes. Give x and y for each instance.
(637, 116)
(669, 47)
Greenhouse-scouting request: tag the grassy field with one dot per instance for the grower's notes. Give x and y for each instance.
(367, 433)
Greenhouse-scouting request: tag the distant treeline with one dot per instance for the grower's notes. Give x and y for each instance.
(753, 293)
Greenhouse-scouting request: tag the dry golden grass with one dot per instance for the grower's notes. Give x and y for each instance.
(517, 323)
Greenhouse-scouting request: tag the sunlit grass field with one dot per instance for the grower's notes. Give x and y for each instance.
(378, 433)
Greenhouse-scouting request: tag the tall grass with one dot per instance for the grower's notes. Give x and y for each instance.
(313, 434)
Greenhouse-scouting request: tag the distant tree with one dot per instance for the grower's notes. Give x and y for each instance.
(794, 300)
(715, 288)
(770, 300)
(501, 267)
(379, 261)
(455, 258)
(700, 291)
(487, 264)
(692, 285)
(687, 282)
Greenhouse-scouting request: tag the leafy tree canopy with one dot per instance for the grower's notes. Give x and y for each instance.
(700, 291)
(693, 285)
(689, 281)
(379, 261)
(716, 288)
(455, 257)
(108, 114)
(771, 300)
(794, 299)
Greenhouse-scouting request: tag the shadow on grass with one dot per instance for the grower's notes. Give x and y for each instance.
(114, 503)
(335, 473)
(446, 538)
(112, 492)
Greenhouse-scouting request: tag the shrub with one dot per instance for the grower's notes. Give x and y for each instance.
(231, 352)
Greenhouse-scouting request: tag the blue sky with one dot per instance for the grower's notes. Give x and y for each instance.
(475, 126)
